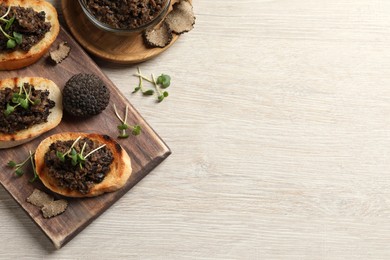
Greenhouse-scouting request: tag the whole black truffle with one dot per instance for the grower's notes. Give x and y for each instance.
(85, 95)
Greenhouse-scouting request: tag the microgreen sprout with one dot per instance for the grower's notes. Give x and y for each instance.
(16, 37)
(94, 150)
(163, 81)
(22, 99)
(160, 94)
(140, 86)
(61, 156)
(75, 157)
(33, 167)
(135, 129)
(18, 166)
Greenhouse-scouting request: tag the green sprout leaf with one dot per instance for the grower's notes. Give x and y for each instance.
(19, 172)
(148, 92)
(123, 136)
(24, 103)
(136, 89)
(60, 156)
(11, 43)
(9, 23)
(12, 164)
(164, 81)
(73, 156)
(18, 37)
(123, 126)
(136, 130)
(9, 110)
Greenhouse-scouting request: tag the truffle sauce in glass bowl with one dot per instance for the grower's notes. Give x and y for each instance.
(125, 17)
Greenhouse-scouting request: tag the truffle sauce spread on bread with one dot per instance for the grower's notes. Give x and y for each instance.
(27, 30)
(29, 107)
(82, 164)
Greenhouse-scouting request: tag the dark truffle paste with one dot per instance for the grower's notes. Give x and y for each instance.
(125, 14)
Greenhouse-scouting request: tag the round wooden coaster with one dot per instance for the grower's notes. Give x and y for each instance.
(113, 48)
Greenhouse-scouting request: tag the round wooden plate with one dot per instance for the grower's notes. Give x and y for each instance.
(113, 48)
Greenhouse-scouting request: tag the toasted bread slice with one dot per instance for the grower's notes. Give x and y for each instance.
(54, 118)
(18, 58)
(119, 173)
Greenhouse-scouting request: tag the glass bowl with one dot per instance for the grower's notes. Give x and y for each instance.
(128, 31)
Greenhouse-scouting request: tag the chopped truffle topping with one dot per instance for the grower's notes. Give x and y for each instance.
(85, 95)
(61, 53)
(181, 19)
(158, 37)
(125, 14)
(54, 208)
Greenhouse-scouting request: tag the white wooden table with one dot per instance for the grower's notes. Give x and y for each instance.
(279, 123)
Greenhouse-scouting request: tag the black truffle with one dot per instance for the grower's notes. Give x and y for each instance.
(85, 95)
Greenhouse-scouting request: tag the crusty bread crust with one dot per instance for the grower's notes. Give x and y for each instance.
(120, 169)
(54, 118)
(19, 59)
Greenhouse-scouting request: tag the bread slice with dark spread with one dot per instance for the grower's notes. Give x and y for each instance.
(8, 140)
(119, 170)
(10, 60)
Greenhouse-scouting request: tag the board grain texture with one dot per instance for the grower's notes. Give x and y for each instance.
(146, 150)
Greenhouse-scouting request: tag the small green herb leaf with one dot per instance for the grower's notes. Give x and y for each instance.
(165, 94)
(9, 110)
(136, 89)
(18, 37)
(9, 23)
(11, 43)
(15, 98)
(12, 164)
(123, 127)
(164, 81)
(24, 103)
(136, 130)
(73, 156)
(160, 98)
(148, 92)
(19, 172)
(60, 156)
(123, 136)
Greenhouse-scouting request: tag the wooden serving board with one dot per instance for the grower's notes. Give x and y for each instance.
(146, 150)
(114, 48)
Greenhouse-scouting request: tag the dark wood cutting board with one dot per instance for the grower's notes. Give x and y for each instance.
(146, 150)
